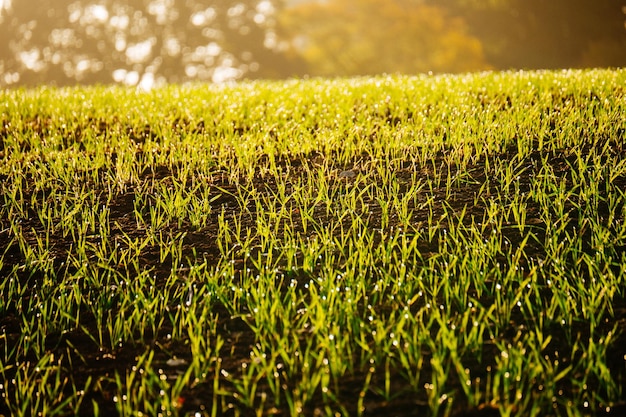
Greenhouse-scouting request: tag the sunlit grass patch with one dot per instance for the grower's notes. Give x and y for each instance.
(367, 246)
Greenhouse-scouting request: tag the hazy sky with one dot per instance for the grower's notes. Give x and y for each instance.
(3, 4)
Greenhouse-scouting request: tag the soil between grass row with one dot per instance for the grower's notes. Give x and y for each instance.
(95, 361)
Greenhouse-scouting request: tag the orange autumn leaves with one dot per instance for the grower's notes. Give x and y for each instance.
(363, 37)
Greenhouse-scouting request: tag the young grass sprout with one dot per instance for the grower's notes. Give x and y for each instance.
(426, 245)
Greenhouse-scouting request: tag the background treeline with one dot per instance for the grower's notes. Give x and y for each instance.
(147, 42)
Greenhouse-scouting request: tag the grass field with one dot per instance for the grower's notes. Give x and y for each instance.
(408, 246)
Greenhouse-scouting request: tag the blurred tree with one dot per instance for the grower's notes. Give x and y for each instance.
(360, 37)
(546, 34)
(143, 42)
(138, 42)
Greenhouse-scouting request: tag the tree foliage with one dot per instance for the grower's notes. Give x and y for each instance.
(546, 34)
(359, 37)
(138, 41)
(145, 42)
